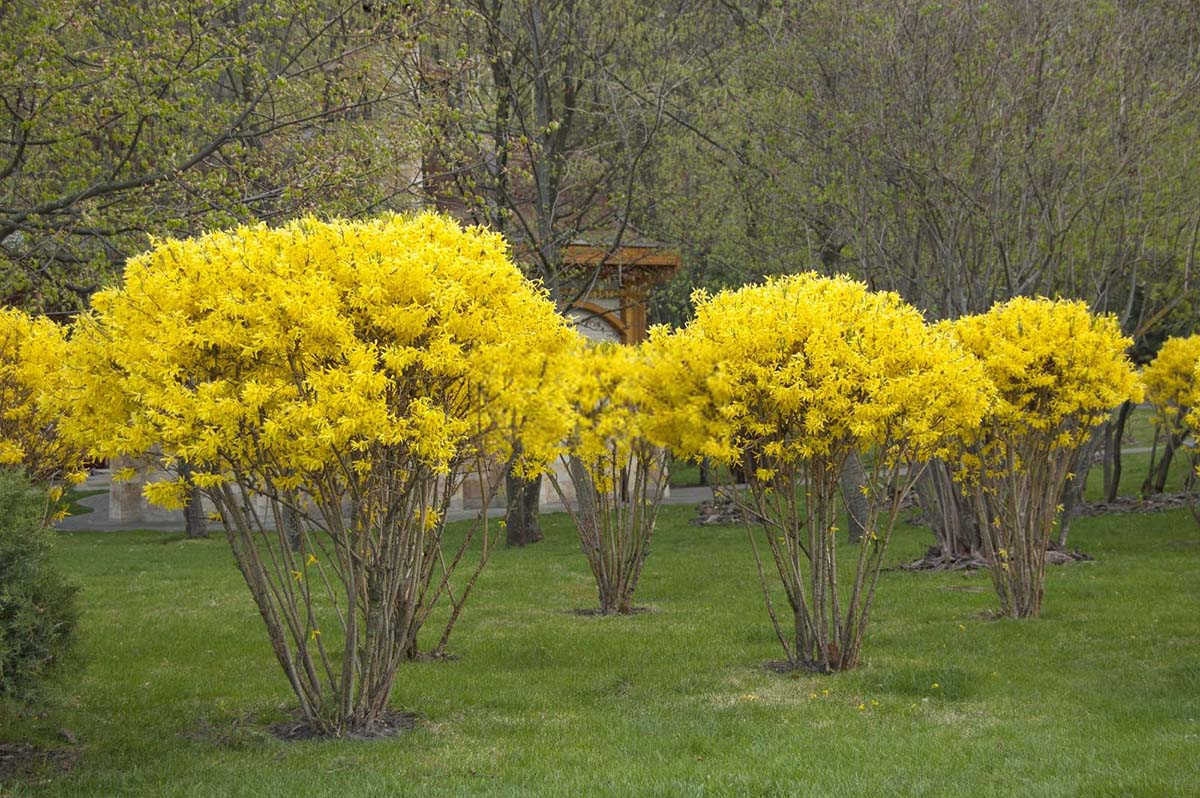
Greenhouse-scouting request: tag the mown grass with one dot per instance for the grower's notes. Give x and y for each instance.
(1101, 696)
(685, 474)
(74, 496)
(1134, 467)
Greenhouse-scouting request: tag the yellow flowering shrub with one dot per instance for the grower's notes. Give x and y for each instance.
(1193, 417)
(312, 340)
(608, 406)
(806, 367)
(1058, 371)
(328, 385)
(31, 350)
(618, 473)
(787, 379)
(1057, 368)
(1170, 381)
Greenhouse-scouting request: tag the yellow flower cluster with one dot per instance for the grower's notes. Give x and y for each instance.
(806, 367)
(1057, 368)
(1170, 379)
(30, 353)
(395, 343)
(611, 408)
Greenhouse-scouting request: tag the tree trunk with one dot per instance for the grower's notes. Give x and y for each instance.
(858, 509)
(1112, 453)
(1156, 476)
(950, 516)
(291, 523)
(521, 520)
(194, 522)
(1173, 442)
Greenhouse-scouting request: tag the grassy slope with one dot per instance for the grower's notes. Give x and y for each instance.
(1099, 697)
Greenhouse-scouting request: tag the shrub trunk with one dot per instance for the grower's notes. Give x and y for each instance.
(616, 525)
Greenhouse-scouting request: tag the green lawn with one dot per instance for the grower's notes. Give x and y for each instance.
(1139, 435)
(1099, 697)
(74, 496)
(1133, 472)
(684, 474)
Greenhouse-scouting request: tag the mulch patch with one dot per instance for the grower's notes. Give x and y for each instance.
(935, 561)
(721, 511)
(785, 667)
(23, 761)
(436, 656)
(1137, 504)
(592, 612)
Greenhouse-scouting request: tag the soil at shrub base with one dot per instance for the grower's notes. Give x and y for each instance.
(392, 723)
(23, 761)
(593, 612)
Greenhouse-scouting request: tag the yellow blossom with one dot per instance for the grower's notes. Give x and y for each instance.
(1058, 371)
(802, 366)
(1171, 383)
(315, 339)
(31, 354)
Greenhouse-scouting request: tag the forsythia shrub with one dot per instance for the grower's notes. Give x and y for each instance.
(1192, 419)
(328, 384)
(617, 470)
(31, 351)
(1170, 380)
(787, 379)
(1058, 371)
(1172, 388)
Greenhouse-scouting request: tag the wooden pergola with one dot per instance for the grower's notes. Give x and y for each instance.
(621, 292)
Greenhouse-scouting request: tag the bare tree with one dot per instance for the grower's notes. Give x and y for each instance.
(541, 114)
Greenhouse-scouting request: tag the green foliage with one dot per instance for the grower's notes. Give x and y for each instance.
(166, 118)
(37, 607)
(956, 153)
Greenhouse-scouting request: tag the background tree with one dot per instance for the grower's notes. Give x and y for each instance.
(167, 118)
(959, 155)
(541, 114)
